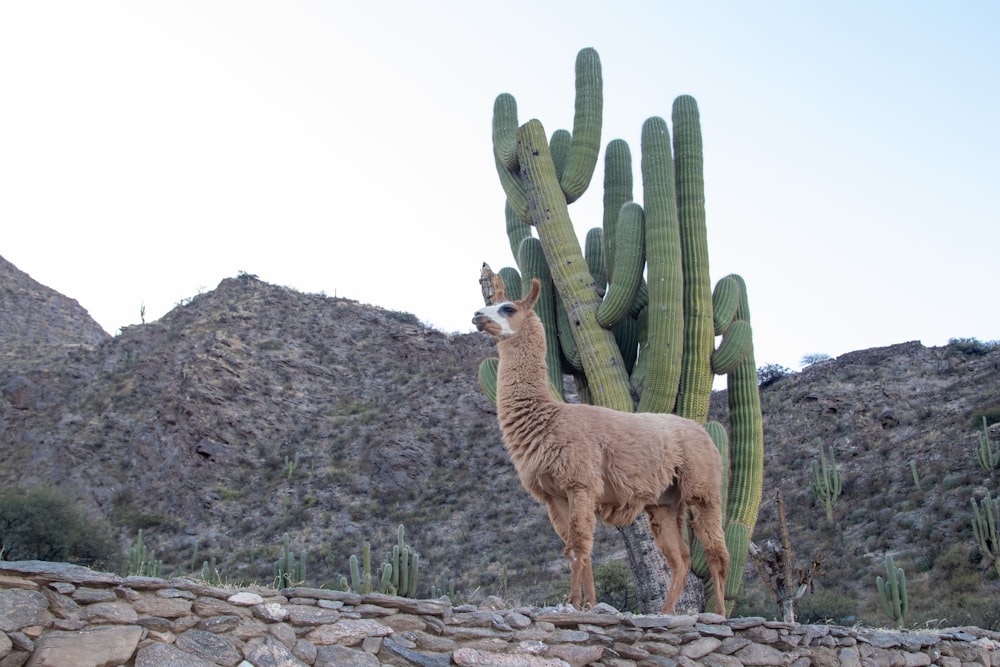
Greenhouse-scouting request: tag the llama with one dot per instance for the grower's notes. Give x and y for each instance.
(585, 461)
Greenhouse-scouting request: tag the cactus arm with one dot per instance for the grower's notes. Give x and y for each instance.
(585, 146)
(736, 344)
(666, 322)
(594, 253)
(617, 191)
(567, 344)
(725, 302)
(599, 354)
(488, 378)
(628, 274)
(533, 265)
(517, 229)
(559, 147)
(696, 379)
(746, 459)
(505, 152)
(512, 282)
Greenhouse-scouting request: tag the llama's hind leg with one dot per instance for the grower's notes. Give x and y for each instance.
(707, 523)
(667, 524)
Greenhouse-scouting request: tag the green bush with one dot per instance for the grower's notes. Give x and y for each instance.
(771, 373)
(990, 412)
(39, 524)
(615, 586)
(827, 606)
(973, 346)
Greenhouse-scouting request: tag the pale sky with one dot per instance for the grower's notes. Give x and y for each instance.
(149, 150)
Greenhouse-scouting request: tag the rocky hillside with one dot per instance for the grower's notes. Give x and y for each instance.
(254, 411)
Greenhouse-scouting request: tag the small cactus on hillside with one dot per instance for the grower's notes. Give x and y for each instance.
(985, 520)
(988, 457)
(141, 561)
(396, 576)
(289, 570)
(827, 484)
(892, 591)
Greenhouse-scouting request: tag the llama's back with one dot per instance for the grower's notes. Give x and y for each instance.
(644, 453)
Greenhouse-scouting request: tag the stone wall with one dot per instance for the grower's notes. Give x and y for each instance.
(58, 615)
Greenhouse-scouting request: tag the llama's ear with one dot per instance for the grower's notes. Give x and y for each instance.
(532, 296)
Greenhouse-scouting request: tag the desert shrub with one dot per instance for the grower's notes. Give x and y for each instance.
(827, 606)
(403, 317)
(771, 373)
(39, 524)
(615, 586)
(973, 346)
(991, 412)
(814, 358)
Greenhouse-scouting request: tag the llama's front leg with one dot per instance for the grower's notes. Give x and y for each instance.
(667, 524)
(559, 517)
(582, 521)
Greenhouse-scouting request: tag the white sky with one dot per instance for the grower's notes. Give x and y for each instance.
(149, 150)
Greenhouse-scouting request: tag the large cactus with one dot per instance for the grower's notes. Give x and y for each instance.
(634, 344)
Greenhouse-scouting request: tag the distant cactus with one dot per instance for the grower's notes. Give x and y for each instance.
(989, 458)
(210, 572)
(892, 591)
(985, 519)
(443, 587)
(397, 576)
(289, 570)
(141, 561)
(826, 481)
(916, 475)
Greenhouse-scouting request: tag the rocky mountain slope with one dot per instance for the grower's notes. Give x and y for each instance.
(254, 411)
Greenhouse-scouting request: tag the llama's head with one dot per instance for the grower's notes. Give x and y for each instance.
(505, 319)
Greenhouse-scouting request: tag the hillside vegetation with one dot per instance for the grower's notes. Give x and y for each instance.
(255, 411)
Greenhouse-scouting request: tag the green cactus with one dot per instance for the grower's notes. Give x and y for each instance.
(210, 572)
(915, 474)
(361, 577)
(443, 587)
(141, 561)
(404, 565)
(827, 484)
(633, 344)
(989, 458)
(288, 570)
(397, 576)
(892, 591)
(985, 519)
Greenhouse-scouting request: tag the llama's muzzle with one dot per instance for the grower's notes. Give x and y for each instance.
(480, 320)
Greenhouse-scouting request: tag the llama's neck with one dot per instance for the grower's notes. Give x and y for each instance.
(523, 382)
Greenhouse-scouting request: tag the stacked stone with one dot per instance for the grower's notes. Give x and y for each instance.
(57, 615)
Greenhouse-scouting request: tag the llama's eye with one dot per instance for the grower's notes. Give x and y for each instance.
(507, 310)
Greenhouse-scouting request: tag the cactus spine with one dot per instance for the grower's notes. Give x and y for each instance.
(633, 344)
(892, 591)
